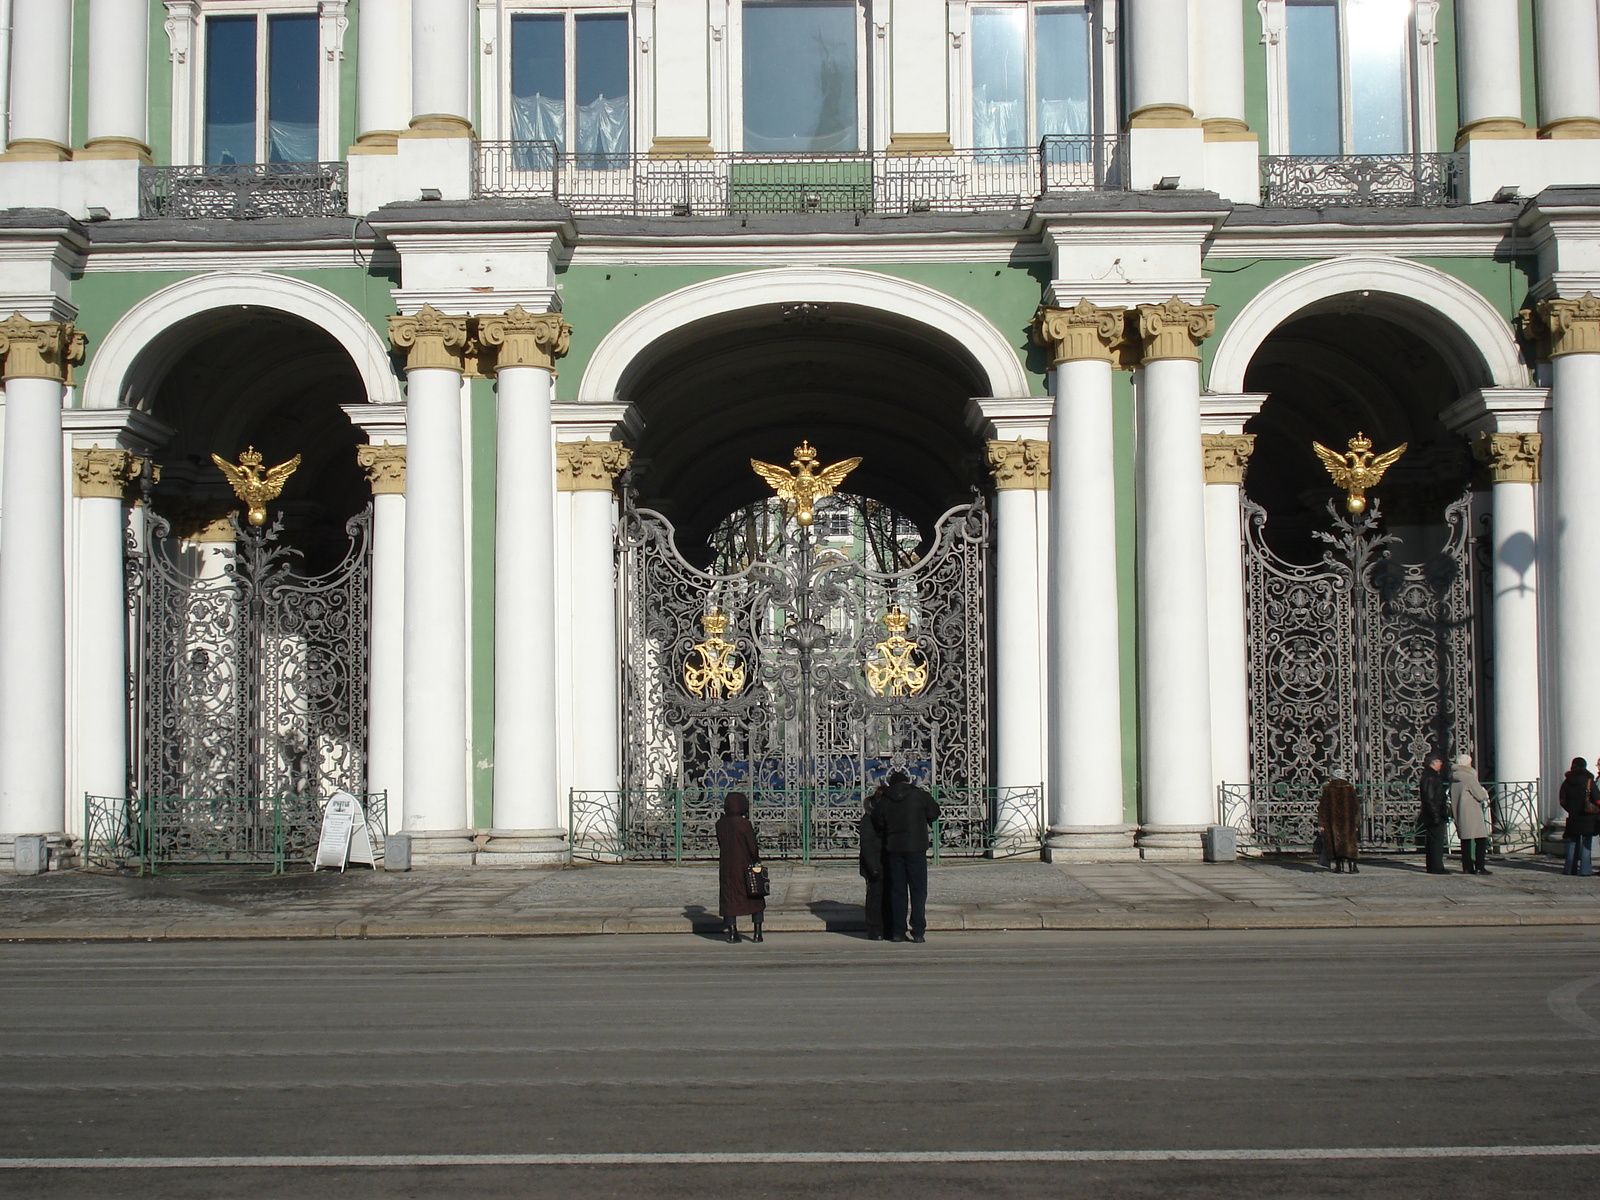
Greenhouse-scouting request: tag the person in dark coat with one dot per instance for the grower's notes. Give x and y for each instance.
(736, 850)
(1577, 795)
(1434, 792)
(904, 817)
(874, 865)
(1339, 819)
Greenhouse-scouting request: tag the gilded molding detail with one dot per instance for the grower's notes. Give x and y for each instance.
(1226, 456)
(1511, 457)
(385, 466)
(40, 349)
(525, 339)
(105, 474)
(1023, 465)
(1175, 329)
(1084, 331)
(1572, 326)
(590, 466)
(431, 339)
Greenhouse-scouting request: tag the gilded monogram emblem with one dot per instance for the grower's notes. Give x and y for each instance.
(901, 668)
(719, 671)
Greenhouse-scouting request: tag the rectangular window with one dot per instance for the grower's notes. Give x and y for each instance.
(1348, 68)
(800, 76)
(1037, 53)
(255, 116)
(569, 81)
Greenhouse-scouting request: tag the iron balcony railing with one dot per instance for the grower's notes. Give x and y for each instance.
(245, 191)
(1284, 817)
(728, 184)
(1363, 180)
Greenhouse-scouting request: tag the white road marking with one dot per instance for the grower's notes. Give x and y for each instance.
(806, 1157)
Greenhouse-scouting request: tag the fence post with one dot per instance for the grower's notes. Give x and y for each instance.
(677, 827)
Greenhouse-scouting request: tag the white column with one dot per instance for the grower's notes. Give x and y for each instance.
(441, 68)
(1158, 57)
(100, 481)
(1568, 42)
(385, 466)
(1218, 59)
(1489, 59)
(681, 63)
(1084, 786)
(383, 74)
(528, 824)
(33, 628)
(1513, 460)
(1175, 774)
(435, 690)
(588, 470)
(119, 77)
(1224, 457)
(41, 81)
(1021, 470)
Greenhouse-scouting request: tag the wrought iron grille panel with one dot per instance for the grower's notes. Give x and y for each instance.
(1360, 666)
(248, 677)
(805, 726)
(1362, 180)
(245, 191)
(738, 184)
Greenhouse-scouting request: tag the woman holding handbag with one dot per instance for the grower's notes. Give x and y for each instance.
(1578, 801)
(742, 890)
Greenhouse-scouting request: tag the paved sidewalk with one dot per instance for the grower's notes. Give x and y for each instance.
(648, 898)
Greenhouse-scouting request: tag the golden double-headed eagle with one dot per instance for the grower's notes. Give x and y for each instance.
(801, 490)
(1358, 469)
(254, 486)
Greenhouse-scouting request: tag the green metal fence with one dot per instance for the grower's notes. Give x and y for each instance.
(679, 824)
(153, 834)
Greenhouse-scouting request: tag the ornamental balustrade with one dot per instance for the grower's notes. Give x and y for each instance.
(245, 191)
(1363, 180)
(738, 184)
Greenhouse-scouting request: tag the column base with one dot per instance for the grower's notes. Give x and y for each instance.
(36, 150)
(62, 847)
(1090, 843)
(1561, 127)
(442, 847)
(377, 141)
(523, 848)
(1172, 843)
(438, 125)
(115, 148)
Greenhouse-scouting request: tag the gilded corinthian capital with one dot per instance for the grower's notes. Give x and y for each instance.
(1023, 464)
(1175, 328)
(525, 339)
(1226, 455)
(430, 338)
(1084, 331)
(40, 349)
(1566, 326)
(1511, 457)
(385, 466)
(590, 466)
(104, 474)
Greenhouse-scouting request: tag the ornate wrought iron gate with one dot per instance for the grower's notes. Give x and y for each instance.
(1360, 666)
(802, 676)
(248, 677)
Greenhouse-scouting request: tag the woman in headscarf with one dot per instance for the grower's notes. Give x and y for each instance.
(1339, 818)
(1577, 794)
(1470, 800)
(736, 850)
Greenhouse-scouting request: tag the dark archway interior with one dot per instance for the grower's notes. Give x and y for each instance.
(753, 384)
(1328, 376)
(260, 377)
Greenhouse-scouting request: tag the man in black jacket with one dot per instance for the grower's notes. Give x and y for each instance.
(904, 817)
(1434, 791)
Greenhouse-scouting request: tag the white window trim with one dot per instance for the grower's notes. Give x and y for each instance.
(870, 62)
(494, 80)
(1424, 115)
(187, 51)
(1105, 119)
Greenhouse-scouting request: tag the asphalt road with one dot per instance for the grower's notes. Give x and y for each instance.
(1309, 1063)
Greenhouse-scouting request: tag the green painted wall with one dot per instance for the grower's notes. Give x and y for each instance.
(160, 87)
(481, 568)
(80, 73)
(1255, 72)
(1127, 588)
(1530, 70)
(1444, 75)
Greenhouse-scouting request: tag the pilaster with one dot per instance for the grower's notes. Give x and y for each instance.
(385, 468)
(1021, 465)
(590, 466)
(1510, 457)
(104, 474)
(1225, 456)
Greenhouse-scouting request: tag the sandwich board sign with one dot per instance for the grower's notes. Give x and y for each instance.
(345, 838)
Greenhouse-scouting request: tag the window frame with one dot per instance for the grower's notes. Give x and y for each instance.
(1421, 95)
(732, 119)
(494, 97)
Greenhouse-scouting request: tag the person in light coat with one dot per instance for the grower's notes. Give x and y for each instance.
(1470, 799)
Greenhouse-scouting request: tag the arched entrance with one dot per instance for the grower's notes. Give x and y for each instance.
(803, 662)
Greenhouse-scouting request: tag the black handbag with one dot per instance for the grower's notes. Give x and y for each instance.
(1319, 847)
(757, 880)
